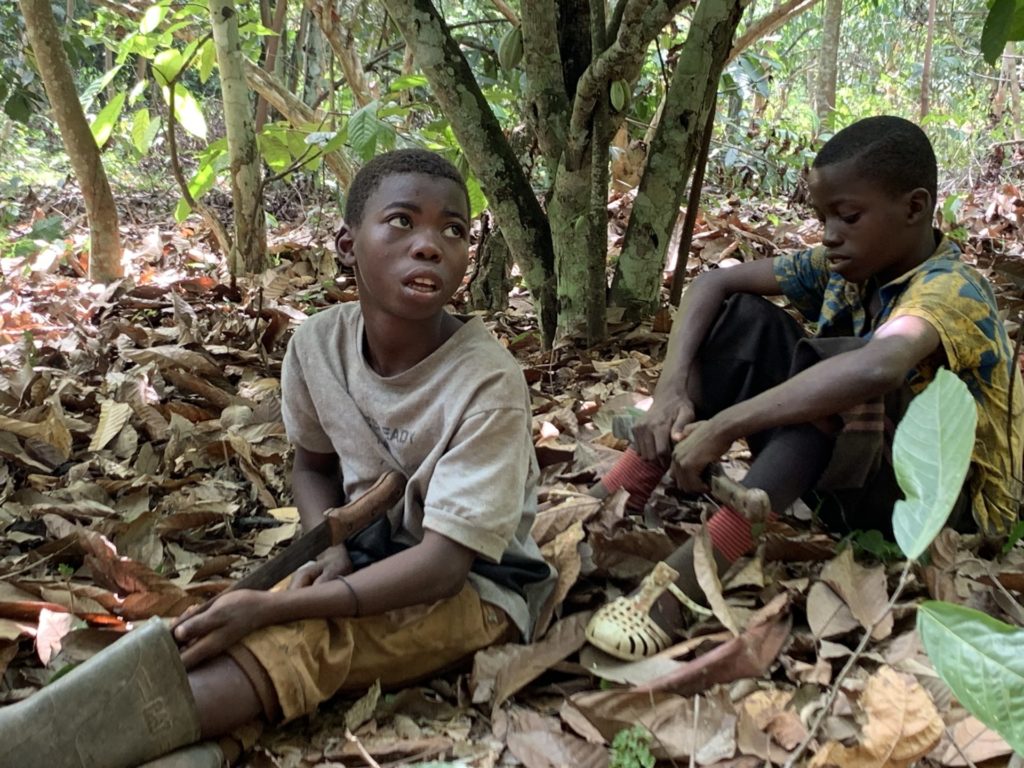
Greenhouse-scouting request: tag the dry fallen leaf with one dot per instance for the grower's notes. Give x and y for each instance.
(902, 725)
(707, 576)
(864, 590)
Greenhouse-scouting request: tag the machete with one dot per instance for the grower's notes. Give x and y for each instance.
(340, 523)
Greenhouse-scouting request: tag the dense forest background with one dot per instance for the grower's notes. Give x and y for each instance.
(170, 178)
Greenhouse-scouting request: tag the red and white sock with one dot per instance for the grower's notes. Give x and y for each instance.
(730, 533)
(637, 475)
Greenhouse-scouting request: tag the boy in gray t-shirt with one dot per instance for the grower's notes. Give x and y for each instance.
(393, 383)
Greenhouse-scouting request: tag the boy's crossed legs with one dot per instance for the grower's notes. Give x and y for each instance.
(752, 346)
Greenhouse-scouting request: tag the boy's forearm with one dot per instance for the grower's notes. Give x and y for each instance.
(315, 492)
(828, 388)
(430, 571)
(835, 384)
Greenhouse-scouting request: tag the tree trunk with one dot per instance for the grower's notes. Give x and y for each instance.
(926, 70)
(495, 164)
(270, 58)
(490, 282)
(343, 47)
(104, 238)
(249, 248)
(314, 78)
(690, 97)
(1013, 85)
(828, 63)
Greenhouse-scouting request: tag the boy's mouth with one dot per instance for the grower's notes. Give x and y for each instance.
(422, 284)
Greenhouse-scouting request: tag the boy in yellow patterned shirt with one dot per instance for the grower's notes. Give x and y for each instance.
(891, 302)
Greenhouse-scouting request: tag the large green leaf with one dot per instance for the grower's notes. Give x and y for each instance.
(930, 454)
(104, 123)
(995, 33)
(982, 660)
(187, 111)
(144, 130)
(151, 18)
(166, 65)
(362, 130)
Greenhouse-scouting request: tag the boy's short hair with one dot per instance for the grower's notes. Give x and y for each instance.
(390, 163)
(888, 150)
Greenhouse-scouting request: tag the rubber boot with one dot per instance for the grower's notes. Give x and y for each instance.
(129, 703)
(206, 754)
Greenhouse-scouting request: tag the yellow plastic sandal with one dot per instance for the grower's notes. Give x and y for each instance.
(624, 627)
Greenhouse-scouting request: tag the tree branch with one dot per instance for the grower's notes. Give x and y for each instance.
(640, 24)
(768, 24)
(545, 93)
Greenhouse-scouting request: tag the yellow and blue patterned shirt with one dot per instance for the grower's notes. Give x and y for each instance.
(959, 304)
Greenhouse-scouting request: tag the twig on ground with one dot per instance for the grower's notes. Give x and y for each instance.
(362, 750)
(952, 740)
(834, 690)
(696, 719)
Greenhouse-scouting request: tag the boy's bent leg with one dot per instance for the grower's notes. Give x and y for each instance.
(748, 349)
(309, 661)
(128, 704)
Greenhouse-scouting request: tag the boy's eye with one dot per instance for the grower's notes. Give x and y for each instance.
(455, 231)
(850, 218)
(400, 221)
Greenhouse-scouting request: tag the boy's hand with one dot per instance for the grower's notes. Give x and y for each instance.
(228, 619)
(700, 444)
(332, 563)
(661, 427)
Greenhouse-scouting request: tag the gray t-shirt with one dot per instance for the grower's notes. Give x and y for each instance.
(457, 425)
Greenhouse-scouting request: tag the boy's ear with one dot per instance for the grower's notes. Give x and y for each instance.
(343, 244)
(919, 205)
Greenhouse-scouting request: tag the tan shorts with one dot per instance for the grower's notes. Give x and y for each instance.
(309, 661)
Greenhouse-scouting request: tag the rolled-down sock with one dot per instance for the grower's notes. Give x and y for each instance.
(637, 475)
(731, 532)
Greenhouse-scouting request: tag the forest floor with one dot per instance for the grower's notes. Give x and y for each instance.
(145, 466)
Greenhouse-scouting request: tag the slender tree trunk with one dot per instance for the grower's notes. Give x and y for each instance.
(299, 50)
(926, 70)
(104, 238)
(270, 58)
(343, 46)
(512, 200)
(828, 63)
(1013, 86)
(314, 79)
(249, 249)
(691, 96)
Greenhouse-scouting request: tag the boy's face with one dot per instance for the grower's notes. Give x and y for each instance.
(867, 231)
(411, 249)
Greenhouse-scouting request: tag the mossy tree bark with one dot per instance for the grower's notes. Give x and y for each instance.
(690, 98)
(104, 237)
(249, 247)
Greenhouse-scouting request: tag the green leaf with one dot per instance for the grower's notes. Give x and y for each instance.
(144, 130)
(151, 18)
(1017, 23)
(477, 198)
(104, 123)
(166, 66)
(255, 28)
(362, 130)
(996, 30)
(137, 90)
(207, 58)
(187, 111)
(930, 454)
(982, 660)
(405, 82)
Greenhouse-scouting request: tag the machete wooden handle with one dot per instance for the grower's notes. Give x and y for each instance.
(752, 503)
(344, 522)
